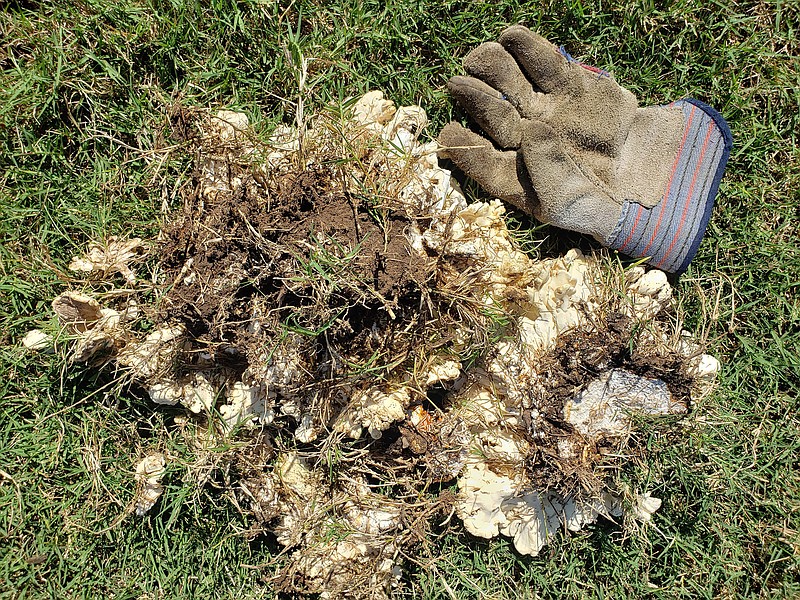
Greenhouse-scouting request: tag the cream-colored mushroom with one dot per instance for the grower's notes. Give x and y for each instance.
(149, 472)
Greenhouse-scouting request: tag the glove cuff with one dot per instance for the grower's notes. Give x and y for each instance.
(669, 233)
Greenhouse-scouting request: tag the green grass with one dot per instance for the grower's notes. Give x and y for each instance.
(86, 90)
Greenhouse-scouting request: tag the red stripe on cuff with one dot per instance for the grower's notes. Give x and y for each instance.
(633, 229)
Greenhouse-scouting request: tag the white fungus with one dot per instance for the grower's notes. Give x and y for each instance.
(36, 339)
(149, 472)
(106, 259)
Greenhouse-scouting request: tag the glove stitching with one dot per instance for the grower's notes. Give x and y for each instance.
(594, 179)
(615, 233)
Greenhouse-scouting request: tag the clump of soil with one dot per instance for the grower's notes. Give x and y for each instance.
(578, 358)
(303, 255)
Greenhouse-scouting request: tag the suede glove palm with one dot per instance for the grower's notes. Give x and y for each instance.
(572, 148)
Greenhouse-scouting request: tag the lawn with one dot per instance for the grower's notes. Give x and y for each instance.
(88, 94)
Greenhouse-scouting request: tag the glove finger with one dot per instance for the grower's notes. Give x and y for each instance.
(568, 198)
(495, 115)
(501, 174)
(540, 59)
(491, 63)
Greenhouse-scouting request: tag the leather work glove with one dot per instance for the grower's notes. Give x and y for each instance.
(571, 147)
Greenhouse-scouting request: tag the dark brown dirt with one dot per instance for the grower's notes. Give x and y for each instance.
(578, 359)
(581, 357)
(301, 255)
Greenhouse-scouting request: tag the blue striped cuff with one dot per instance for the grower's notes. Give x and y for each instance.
(669, 234)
